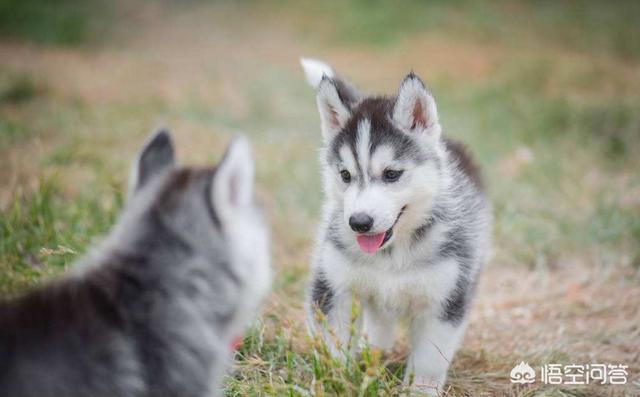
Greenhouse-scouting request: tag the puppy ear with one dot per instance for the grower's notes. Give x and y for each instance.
(335, 95)
(415, 109)
(155, 157)
(232, 187)
(334, 112)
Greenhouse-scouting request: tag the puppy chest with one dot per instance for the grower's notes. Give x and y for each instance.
(393, 292)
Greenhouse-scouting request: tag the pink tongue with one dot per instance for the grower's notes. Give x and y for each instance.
(370, 244)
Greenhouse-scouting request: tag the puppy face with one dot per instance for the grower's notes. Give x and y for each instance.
(382, 157)
(379, 175)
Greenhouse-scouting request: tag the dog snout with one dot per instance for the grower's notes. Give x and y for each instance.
(360, 222)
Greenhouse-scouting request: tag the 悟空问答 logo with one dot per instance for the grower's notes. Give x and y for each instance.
(522, 373)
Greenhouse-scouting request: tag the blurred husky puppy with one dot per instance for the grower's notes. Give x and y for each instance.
(154, 310)
(406, 225)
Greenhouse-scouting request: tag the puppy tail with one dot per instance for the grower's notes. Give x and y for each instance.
(314, 70)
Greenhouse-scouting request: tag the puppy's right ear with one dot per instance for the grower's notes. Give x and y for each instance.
(334, 112)
(156, 156)
(336, 96)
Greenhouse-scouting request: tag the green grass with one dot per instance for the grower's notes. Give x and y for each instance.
(57, 22)
(278, 369)
(10, 132)
(18, 90)
(536, 216)
(42, 232)
(271, 365)
(583, 25)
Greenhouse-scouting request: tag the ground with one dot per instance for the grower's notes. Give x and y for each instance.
(545, 95)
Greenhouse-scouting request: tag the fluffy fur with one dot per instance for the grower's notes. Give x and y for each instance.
(435, 217)
(154, 310)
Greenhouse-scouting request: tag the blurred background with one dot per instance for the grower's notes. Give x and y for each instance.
(546, 94)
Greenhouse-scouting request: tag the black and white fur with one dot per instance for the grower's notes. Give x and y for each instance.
(153, 311)
(436, 214)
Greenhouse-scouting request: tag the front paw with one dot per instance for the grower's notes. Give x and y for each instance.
(424, 385)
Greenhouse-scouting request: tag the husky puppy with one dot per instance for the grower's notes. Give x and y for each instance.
(154, 310)
(406, 225)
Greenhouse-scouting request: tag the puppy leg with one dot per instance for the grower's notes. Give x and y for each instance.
(341, 331)
(336, 308)
(433, 345)
(378, 327)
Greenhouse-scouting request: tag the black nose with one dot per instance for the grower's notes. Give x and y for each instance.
(360, 222)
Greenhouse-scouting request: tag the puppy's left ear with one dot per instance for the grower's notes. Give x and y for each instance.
(415, 109)
(156, 156)
(232, 187)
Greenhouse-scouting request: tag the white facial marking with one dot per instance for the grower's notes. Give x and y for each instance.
(348, 161)
(381, 159)
(363, 145)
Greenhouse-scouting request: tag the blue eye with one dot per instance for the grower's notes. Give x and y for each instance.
(346, 176)
(391, 175)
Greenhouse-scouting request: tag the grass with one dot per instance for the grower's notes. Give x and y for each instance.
(18, 90)
(535, 205)
(545, 94)
(10, 131)
(281, 370)
(583, 25)
(59, 22)
(42, 233)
